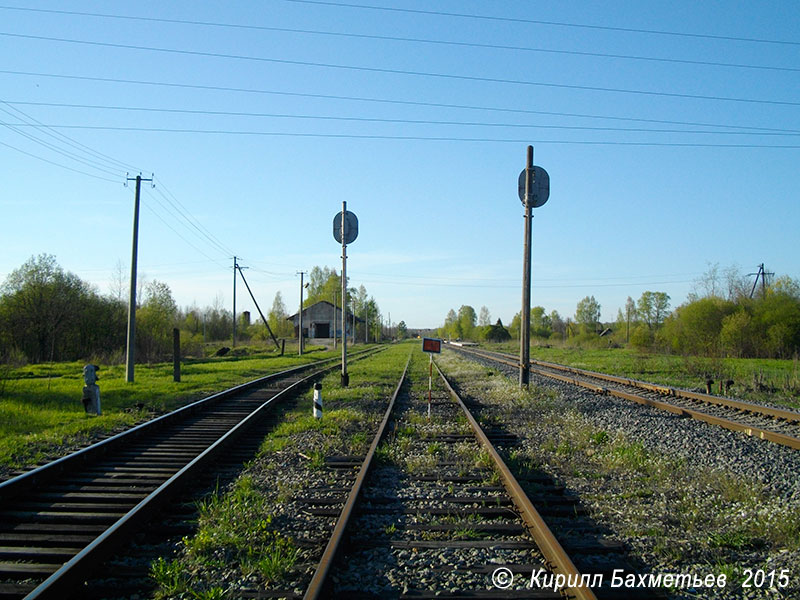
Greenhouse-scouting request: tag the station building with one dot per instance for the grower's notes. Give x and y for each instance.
(323, 320)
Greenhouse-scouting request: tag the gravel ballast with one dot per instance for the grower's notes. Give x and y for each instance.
(685, 496)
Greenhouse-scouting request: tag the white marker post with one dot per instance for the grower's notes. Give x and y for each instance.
(431, 346)
(317, 406)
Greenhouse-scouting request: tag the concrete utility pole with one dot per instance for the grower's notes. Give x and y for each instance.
(525, 321)
(130, 358)
(300, 318)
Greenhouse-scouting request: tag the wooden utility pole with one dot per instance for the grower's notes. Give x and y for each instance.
(130, 358)
(525, 321)
(345, 379)
(534, 189)
(300, 318)
(763, 275)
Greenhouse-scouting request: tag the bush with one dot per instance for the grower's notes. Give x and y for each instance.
(642, 337)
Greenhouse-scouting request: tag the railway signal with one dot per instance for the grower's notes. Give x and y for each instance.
(534, 190)
(345, 231)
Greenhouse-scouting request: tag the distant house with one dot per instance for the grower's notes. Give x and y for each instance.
(318, 321)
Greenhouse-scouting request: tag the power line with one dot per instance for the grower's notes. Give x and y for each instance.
(48, 161)
(109, 160)
(408, 72)
(205, 231)
(96, 158)
(516, 285)
(160, 218)
(407, 39)
(424, 138)
(53, 148)
(551, 23)
(190, 222)
(771, 132)
(366, 99)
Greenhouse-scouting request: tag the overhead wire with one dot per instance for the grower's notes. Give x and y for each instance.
(195, 112)
(414, 73)
(167, 224)
(197, 229)
(18, 128)
(370, 100)
(350, 136)
(455, 43)
(98, 159)
(524, 20)
(55, 164)
(179, 209)
(516, 285)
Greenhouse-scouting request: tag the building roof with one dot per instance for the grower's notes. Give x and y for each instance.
(338, 309)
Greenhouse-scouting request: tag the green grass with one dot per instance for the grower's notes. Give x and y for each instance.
(755, 379)
(41, 410)
(238, 528)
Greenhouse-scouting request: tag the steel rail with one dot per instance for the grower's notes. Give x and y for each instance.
(61, 583)
(776, 413)
(765, 434)
(319, 580)
(16, 485)
(547, 542)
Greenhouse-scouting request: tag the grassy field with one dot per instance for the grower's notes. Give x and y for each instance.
(755, 379)
(41, 414)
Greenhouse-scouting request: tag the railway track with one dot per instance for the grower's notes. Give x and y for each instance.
(60, 521)
(774, 424)
(438, 513)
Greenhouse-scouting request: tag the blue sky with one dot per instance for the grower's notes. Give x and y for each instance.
(419, 118)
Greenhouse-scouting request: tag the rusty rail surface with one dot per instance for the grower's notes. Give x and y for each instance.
(549, 546)
(547, 542)
(319, 580)
(667, 391)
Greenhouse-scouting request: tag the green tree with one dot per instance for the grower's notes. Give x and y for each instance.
(653, 308)
(737, 336)
(557, 325)
(484, 318)
(694, 327)
(515, 326)
(467, 320)
(587, 314)
(541, 325)
(325, 285)
(154, 322)
(39, 304)
(778, 319)
(402, 330)
(278, 318)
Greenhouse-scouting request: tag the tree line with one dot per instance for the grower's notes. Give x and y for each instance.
(721, 317)
(49, 314)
